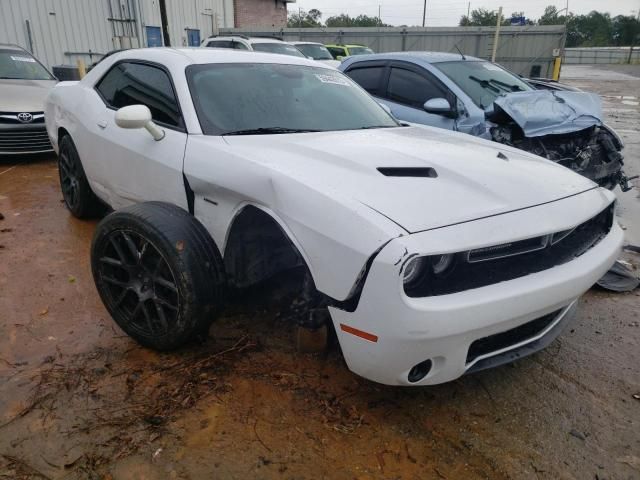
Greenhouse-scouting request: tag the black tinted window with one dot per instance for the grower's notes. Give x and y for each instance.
(337, 52)
(136, 84)
(411, 88)
(227, 44)
(369, 78)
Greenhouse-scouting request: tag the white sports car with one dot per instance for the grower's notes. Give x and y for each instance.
(432, 253)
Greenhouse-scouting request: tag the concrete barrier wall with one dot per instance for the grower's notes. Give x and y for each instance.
(595, 55)
(519, 48)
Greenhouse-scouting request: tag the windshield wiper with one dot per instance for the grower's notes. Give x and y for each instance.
(269, 131)
(371, 127)
(485, 84)
(513, 88)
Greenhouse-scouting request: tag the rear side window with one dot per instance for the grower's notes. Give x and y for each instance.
(369, 78)
(337, 52)
(139, 84)
(227, 44)
(411, 88)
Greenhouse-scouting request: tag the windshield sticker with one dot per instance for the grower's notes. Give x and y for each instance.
(491, 66)
(23, 59)
(333, 79)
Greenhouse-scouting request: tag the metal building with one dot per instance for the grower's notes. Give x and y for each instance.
(62, 31)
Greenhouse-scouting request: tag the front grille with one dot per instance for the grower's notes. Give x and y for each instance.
(498, 341)
(488, 266)
(24, 141)
(11, 118)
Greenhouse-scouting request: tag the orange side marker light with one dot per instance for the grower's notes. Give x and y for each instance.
(359, 333)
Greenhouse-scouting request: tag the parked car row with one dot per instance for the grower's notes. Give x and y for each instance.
(431, 253)
(331, 54)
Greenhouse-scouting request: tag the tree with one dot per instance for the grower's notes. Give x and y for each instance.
(309, 19)
(482, 17)
(626, 30)
(344, 20)
(551, 17)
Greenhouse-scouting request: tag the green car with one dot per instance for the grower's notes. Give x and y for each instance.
(341, 51)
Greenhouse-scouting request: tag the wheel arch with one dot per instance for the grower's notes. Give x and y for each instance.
(258, 244)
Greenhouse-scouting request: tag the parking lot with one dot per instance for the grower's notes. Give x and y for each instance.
(80, 399)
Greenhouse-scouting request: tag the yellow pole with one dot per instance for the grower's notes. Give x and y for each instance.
(496, 36)
(82, 70)
(556, 68)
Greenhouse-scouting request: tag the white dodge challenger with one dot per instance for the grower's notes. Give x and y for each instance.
(431, 253)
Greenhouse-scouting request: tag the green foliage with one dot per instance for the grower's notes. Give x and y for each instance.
(310, 19)
(344, 20)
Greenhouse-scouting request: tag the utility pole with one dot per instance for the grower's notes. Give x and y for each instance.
(379, 18)
(633, 39)
(424, 14)
(299, 17)
(496, 36)
(469, 10)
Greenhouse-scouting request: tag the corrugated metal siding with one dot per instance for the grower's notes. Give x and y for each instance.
(519, 48)
(64, 30)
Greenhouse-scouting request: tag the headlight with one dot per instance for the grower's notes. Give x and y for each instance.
(441, 263)
(413, 270)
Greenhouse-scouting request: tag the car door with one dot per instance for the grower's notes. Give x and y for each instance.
(409, 87)
(129, 164)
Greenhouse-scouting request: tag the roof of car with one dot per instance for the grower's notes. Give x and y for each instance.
(197, 55)
(348, 45)
(417, 57)
(246, 39)
(306, 43)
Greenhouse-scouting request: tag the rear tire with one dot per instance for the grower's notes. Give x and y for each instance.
(76, 191)
(159, 274)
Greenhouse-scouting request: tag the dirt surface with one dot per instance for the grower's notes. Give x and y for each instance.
(79, 399)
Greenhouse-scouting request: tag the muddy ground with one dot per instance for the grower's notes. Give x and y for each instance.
(79, 399)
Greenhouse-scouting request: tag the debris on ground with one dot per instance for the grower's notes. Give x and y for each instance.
(620, 278)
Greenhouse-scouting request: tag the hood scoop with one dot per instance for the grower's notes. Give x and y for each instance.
(416, 172)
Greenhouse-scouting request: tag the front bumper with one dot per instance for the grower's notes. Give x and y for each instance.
(408, 331)
(22, 139)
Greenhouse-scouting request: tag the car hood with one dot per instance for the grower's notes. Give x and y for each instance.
(24, 95)
(544, 112)
(473, 178)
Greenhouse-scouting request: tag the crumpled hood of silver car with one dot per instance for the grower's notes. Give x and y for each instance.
(19, 96)
(475, 178)
(544, 112)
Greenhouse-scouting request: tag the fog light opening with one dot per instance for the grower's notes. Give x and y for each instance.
(419, 371)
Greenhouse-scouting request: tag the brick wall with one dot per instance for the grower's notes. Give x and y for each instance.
(260, 13)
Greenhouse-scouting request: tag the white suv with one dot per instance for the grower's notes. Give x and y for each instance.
(257, 44)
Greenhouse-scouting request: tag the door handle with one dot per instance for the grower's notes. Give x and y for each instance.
(103, 124)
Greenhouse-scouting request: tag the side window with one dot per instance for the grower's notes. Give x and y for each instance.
(369, 78)
(411, 88)
(138, 84)
(336, 51)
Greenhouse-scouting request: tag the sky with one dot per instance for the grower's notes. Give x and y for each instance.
(441, 13)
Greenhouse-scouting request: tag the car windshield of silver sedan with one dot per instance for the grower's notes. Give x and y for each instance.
(17, 64)
(281, 48)
(317, 52)
(270, 98)
(482, 81)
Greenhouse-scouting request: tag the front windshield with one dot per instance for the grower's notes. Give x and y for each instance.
(360, 51)
(265, 98)
(281, 48)
(317, 52)
(18, 64)
(482, 81)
